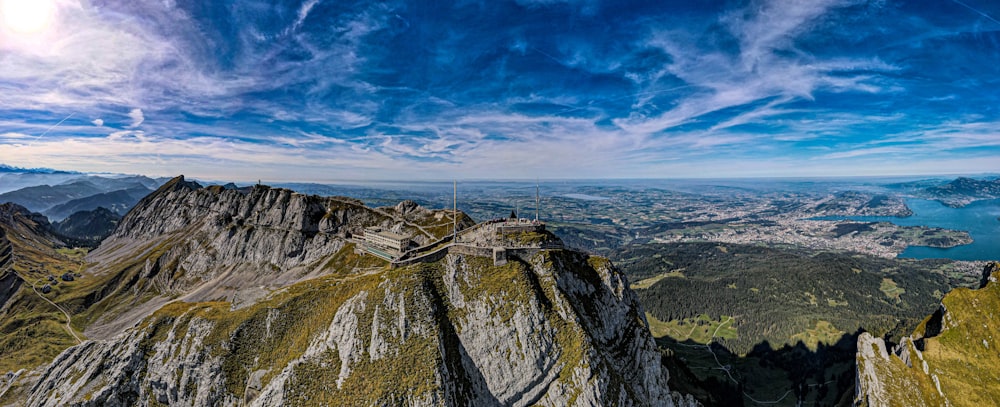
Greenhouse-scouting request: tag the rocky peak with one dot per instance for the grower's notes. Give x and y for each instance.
(217, 243)
(175, 184)
(181, 205)
(406, 207)
(11, 212)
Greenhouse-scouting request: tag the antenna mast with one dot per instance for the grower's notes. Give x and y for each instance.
(454, 214)
(537, 200)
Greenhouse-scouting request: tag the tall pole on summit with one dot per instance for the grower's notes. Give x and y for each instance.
(537, 200)
(454, 215)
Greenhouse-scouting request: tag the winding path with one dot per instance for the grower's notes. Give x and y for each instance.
(69, 319)
(723, 368)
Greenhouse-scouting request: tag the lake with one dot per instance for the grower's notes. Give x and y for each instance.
(978, 218)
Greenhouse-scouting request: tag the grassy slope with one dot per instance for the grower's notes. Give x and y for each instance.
(701, 329)
(964, 357)
(32, 331)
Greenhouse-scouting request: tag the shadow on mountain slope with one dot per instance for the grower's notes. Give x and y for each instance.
(787, 376)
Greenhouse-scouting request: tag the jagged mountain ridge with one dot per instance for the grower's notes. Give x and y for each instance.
(222, 244)
(560, 328)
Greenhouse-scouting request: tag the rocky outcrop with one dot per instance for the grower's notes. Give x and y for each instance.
(950, 352)
(870, 390)
(905, 350)
(561, 330)
(16, 216)
(30, 227)
(9, 282)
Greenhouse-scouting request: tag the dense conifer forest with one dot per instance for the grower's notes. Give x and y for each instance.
(784, 295)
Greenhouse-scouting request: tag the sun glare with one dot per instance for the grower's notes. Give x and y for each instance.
(27, 16)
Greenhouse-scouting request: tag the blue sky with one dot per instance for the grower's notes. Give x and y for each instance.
(324, 90)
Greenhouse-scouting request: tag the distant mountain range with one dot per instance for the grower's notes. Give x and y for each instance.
(955, 193)
(60, 194)
(118, 202)
(42, 197)
(963, 191)
(11, 169)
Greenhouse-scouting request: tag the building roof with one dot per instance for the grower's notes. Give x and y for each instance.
(392, 235)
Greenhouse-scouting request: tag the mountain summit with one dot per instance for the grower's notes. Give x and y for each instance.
(260, 296)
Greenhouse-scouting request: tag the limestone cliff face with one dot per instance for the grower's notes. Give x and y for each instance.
(216, 243)
(9, 282)
(951, 358)
(262, 225)
(561, 330)
(326, 326)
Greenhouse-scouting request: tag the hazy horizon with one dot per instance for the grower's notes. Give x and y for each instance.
(359, 181)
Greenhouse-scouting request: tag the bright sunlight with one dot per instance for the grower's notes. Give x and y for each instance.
(27, 16)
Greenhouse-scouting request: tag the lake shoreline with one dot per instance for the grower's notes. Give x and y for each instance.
(973, 219)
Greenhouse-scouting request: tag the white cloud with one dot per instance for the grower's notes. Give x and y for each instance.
(99, 56)
(766, 66)
(13, 136)
(303, 13)
(881, 151)
(127, 135)
(137, 117)
(98, 122)
(940, 139)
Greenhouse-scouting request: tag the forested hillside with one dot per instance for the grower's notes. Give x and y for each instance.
(782, 323)
(786, 295)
